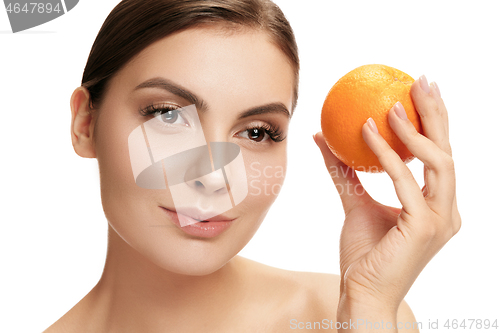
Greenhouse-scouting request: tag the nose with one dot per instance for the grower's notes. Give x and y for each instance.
(213, 183)
(204, 178)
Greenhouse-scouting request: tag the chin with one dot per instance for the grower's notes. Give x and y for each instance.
(194, 264)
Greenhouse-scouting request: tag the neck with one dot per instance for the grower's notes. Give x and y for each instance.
(134, 291)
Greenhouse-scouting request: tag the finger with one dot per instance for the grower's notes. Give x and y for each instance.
(436, 93)
(440, 175)
(345, 179)
(407, 189)
(432, 111)
(455, 215)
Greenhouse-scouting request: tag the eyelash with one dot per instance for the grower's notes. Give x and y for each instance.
(274, 132)
(156, 110)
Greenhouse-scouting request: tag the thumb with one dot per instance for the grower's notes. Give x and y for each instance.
(345, 179)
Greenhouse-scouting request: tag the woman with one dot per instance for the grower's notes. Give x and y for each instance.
(235, 63)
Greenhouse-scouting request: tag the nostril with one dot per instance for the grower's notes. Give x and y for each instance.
(198, 184)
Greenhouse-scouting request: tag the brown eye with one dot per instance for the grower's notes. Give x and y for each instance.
(262, 133)
(256, 134)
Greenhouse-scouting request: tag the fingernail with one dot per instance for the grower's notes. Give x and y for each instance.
(424, 84)
(400, 111)
(435, 85)
(372, 125)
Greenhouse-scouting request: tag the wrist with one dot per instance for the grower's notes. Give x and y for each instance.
(366, 316)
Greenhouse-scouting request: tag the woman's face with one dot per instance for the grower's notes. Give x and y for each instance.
(228, 74)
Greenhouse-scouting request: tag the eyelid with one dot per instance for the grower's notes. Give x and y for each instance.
(150, 109)
(259, 123)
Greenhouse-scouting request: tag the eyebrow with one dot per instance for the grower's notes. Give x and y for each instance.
(182, 92)
(175, 89)
(268, 108)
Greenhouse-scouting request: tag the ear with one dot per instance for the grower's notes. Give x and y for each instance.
(81, 123)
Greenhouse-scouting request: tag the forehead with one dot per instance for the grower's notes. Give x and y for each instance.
(241, 66)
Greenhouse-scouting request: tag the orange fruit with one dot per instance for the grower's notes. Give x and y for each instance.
(367, 91)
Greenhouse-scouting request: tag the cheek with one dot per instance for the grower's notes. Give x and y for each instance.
(123, 201)
(112, 154)
(265, 179)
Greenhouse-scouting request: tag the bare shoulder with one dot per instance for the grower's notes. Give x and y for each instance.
(65, 323)
(76, 319)
(303, 300)
(294, 297)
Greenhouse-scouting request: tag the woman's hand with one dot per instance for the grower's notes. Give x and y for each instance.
(384, 249)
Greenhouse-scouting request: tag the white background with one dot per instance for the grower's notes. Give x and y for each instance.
(53, 231)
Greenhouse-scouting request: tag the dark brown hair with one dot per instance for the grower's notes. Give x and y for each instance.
(135, 24)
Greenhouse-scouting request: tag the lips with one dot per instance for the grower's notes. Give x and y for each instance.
(198, 215)
(206, 228)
